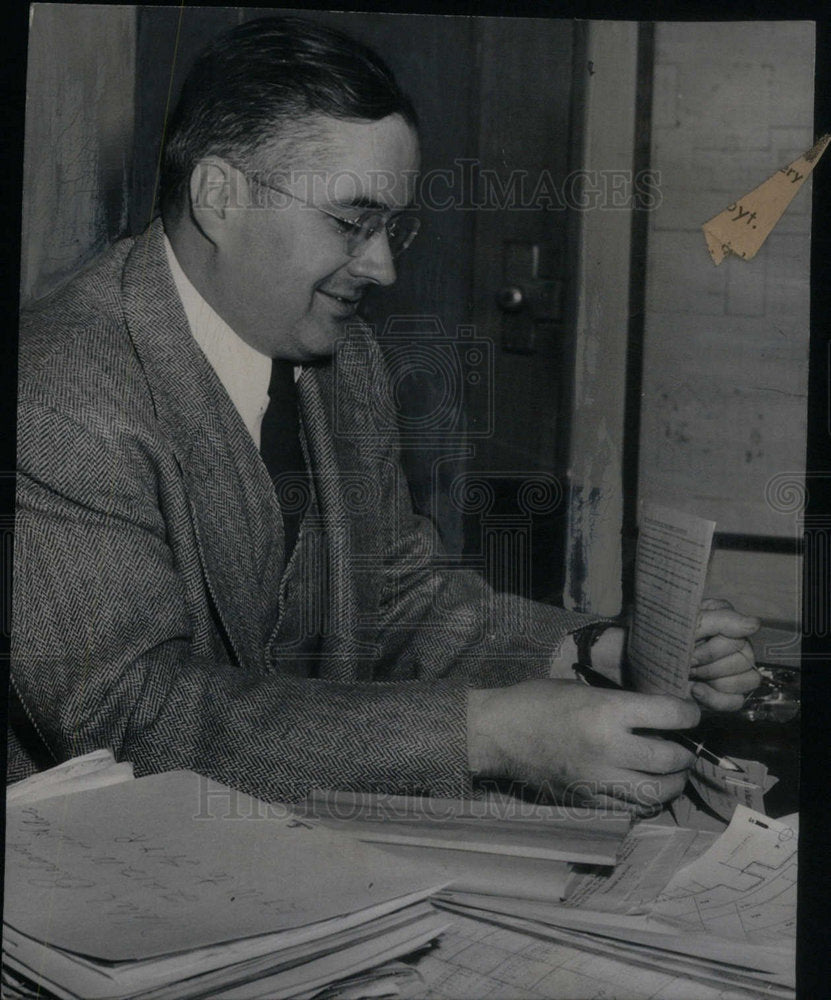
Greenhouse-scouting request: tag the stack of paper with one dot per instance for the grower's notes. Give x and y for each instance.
(93, 770)
(507, 827)
(496, 846)
(727, 918)
(173, 886)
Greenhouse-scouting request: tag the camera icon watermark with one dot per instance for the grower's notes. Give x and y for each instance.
(431, 376)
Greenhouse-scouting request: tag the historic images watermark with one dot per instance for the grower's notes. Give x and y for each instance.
(466, 185)
(575, 800)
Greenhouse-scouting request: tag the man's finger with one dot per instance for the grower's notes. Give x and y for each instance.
(712, 603)
(627, 786)
(736, 683)
(735, 662)
(716, 647)
(659, 711)
(647, 790)
(717, 700)
(725, 622)
(653, 755)
(600, 801)
(640, 810)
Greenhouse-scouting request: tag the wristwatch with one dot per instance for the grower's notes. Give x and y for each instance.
(584, 639)
(587, 636)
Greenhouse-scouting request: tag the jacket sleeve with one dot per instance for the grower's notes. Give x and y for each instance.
(438, 618)
(441, 621)
(107, 653)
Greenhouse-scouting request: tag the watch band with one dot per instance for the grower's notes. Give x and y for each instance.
(588, 635)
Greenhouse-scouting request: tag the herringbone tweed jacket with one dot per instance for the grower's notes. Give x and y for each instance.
(151, 612)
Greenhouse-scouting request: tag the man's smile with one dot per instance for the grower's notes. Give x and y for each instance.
(346, 304)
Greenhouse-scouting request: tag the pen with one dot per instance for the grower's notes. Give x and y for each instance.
(595, 679)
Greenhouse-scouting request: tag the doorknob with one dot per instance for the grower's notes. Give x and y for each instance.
(510, 299)
(530, 299)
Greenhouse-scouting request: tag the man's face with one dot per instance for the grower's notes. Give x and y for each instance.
(284, 280)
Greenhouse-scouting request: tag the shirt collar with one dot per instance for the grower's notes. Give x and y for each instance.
(244, 371)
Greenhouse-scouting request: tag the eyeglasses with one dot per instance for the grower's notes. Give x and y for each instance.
(400, 230)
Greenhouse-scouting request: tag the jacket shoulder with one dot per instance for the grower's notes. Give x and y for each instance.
(87, 306)
(76, 356)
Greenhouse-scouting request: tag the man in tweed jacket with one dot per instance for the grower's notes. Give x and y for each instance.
(157, 610)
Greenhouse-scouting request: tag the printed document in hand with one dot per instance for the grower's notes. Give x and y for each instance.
(670, 576)
(670, 573)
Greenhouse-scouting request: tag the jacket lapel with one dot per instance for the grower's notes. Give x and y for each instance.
(233, 506)
(341, 658)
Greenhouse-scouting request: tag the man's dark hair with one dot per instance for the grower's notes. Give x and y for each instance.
(258, 81)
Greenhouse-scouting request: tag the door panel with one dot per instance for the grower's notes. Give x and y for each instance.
(523, 137)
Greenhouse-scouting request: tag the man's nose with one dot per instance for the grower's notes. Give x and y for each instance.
(375, 261)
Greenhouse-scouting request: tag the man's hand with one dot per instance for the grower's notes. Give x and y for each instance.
(578, 742)
(722, 668)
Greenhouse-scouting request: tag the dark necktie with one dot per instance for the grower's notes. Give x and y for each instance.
(281, 451)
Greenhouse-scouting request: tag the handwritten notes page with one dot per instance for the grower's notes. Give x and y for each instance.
(670, 573)
(175, 862)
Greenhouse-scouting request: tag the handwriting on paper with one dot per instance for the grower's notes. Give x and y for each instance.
(131, 871)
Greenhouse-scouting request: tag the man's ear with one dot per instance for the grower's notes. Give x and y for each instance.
(216, 189)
